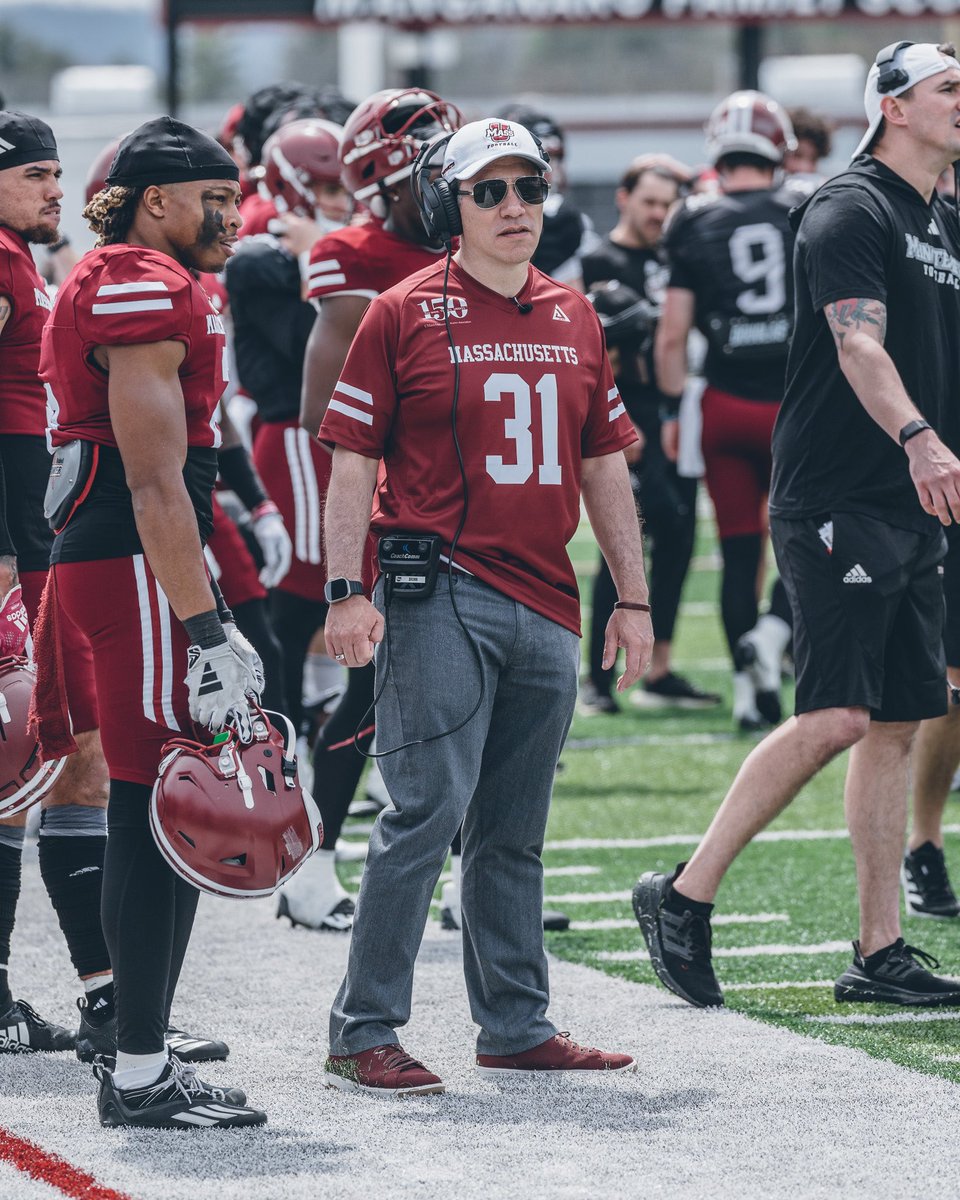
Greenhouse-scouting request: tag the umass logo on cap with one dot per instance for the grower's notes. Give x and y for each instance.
(499, 131)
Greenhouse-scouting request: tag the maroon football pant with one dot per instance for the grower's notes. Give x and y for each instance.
(78, 674)
(737, 459)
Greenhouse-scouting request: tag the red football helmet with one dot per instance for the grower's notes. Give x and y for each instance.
(298, 158)
(749, 123)
(233, 820)
(382, 136)
(100, 169)
(24, 776)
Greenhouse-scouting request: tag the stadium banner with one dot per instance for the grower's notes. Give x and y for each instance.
(426, 13)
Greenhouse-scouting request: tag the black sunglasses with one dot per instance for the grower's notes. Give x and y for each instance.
(488, 193)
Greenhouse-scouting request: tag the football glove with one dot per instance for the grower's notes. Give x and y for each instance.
(274, 543)
(249, 657)
(14, 624)
(218, 684)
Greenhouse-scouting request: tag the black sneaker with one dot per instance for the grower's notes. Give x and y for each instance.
(24, 1031)
(178, 1100)
(679, 943)
(926, 885)
(894, 976)
(100, 1039)
(592, 702)
(674, 691)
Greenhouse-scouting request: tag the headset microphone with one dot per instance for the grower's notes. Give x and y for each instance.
(524, 308)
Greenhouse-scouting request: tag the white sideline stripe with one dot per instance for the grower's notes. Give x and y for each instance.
(887, 1019)
(349, 411)
(947, 1058)
(146, 637)
(722, 919)
(777, 949)
(691, 839)
(124, 289)
(130, 306)
(780, 986)
(656, 739)
(357, 393)
(700, 608)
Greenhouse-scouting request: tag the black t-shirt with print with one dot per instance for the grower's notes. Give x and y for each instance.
(867, 234)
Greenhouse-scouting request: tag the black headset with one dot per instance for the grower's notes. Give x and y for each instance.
(436, 198)
(891, 76)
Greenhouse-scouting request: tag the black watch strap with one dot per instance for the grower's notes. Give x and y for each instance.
(335, 590)
(911, 429)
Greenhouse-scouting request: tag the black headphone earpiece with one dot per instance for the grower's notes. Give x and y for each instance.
(435, 198)
(890, 76)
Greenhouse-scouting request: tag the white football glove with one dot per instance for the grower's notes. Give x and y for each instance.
(274, 542)
(249, 657)
(218, 683)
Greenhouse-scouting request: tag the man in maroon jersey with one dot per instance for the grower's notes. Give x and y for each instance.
(486, 362)
(348, 267)
(133, 358)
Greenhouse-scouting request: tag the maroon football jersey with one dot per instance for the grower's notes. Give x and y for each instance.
(257, 212)
(22, 398)
(121, 296)
(536, 398)
(363, 260)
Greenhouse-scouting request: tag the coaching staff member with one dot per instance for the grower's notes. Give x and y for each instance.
(538, 419)
(133, 358)
(861, 486)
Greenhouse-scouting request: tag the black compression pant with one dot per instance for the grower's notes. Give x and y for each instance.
(668, 503)
(738, 591)
(147, 918)
(253, 621)
(337, 763)
(295, 621)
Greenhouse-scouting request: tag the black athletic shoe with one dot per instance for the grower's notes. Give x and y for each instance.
(592, 702)
(555, 921)
(894, 976)
(679, 943)
(178, 1100)
(100, 1039)
(926, 885)
(674, 691)
(24, 1031)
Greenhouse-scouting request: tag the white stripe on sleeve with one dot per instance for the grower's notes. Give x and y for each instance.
(354, 392)
(124, 289)
(617, 412)
(349, 411)
(130, 306)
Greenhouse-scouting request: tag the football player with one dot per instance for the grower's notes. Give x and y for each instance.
(133, 362)
(731, 269)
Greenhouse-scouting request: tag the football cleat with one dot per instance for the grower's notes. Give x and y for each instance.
(99, 1040)
(315, 897)
(178, 1100)
(897, 974)
(926, 884)
(751, 655)
(674, 691)
(24, 1031)
(553, 920)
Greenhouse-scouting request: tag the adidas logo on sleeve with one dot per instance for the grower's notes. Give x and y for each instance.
(857, 574)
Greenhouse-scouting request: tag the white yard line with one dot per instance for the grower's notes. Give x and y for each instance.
(898, 1018)
(691, 839)
(769, 951)
(780, 986)
(722, 919)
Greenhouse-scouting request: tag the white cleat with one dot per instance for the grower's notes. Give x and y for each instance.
(315, 898)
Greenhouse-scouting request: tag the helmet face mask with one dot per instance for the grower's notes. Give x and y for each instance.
(749, 123)
(383, 135)
(232, 819)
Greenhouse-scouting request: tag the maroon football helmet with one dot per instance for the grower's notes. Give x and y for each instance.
(232, 819)
(24, 776)
(749, 123)
(297, 159)
(100, 169)
(383, 135)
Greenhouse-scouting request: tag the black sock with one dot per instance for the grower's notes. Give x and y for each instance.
(72, 872)
(100, 1006)
(10, 860)
(678, 903)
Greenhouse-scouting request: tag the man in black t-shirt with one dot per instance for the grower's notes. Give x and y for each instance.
(630, 255)
(730, 275)
(862, 484)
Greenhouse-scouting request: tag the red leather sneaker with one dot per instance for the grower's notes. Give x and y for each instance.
(383, 1070)
(559, 1054)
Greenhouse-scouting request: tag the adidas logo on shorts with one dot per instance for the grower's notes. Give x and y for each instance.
(857, 574)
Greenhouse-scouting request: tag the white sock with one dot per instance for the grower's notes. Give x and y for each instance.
(455, 870)
(97, 981)
(775, 634)
(138, 1070)
(744, 696)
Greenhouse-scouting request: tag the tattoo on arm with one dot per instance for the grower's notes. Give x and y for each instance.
(857, 316)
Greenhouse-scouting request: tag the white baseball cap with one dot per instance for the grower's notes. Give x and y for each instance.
(918, 61)
(479, 143)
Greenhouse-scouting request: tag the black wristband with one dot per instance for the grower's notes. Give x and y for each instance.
(911, 429)
(205, 630)
(238, 474)
(669, 406)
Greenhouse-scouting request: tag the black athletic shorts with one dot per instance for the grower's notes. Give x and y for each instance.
(867, 605)
(26, 469)
(951, 596)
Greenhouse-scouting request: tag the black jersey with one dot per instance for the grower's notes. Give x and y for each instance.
(734, 252)
(271, 324)
(867, 234)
